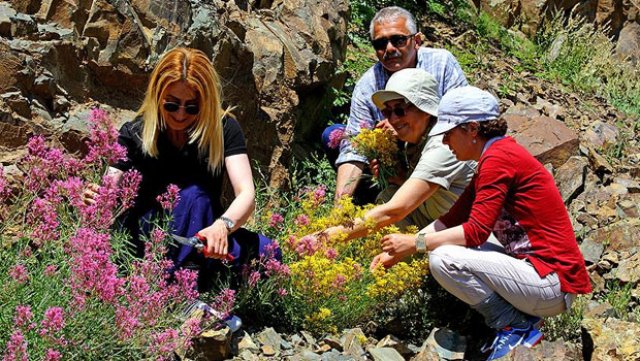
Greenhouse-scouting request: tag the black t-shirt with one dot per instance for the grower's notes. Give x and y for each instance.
(182, 167)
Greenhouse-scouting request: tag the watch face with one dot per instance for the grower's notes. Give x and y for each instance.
(227, 222)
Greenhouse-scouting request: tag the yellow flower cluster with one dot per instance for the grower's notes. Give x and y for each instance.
(318, 277)
(330, 276)
(377, 143)
(390, 283)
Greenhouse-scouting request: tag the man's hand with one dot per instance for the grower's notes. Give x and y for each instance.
(399, 244)
(217, 244)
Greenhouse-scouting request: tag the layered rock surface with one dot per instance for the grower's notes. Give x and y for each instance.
(276, 60)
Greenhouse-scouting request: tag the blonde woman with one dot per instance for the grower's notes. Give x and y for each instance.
(183, 136)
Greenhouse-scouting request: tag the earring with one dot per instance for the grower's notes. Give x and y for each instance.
(473, 141)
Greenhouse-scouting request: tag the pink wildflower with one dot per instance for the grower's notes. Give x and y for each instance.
(319, 194)
(276, 220)
(158, 235)
(275, 267)
(339, 281)
(16, 348)
(50, 270)
(126, 322)
(187, 281)
(170, 198)
(164, 342)
(254, 277)
(101, 214)
(129, 187)
(224, 302)
(23, 317)
(335, 137)
(331, 253)
(53, 355)
(302, 220)
(103, 139)
(5, 191)
(44, 220)
(19, 273)
(307, 246)
(53, 321)
(282, 292)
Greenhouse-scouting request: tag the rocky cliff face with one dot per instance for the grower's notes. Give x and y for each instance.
(58, 58)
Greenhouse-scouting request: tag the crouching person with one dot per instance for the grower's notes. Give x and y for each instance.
(540, 269)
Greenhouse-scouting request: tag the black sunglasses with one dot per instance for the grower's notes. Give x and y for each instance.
(191, 109)
(399, 111)
(397, 41)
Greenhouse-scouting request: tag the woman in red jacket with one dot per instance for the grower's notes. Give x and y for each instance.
(540, 269)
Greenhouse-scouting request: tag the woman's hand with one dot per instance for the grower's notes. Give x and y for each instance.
(398, 244)
(384, 259)
(217, 243)
(90, 193)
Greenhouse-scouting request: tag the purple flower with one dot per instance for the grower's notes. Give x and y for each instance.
(282, 292)
(53, 321)
(302, 220)
(50, 270)
(254, 277)
(331, 253)
(16, 348)
(335, 137)
(170, 198)
(164, 342)
(53, 355)
(129, 185)
(103, 140)
(276, 220)
(19, 273)
(23, 317)
(43, 218)
(224, 302)
(5, 191)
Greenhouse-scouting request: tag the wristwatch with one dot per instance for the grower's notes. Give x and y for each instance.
(227, 223)
(421, 243)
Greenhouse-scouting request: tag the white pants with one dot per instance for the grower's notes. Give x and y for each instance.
(473, 274)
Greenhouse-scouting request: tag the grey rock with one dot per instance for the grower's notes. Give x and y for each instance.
(309, 356)
(311, 341)
(351, 343)
(285, 345)
(246, 343)
(385, 354)
(247, 355)
(333, 342)
(628, 270)
(628, 45)
(334, 355)
(210, 345)
(397, 344)
(443, 343)
(591, 250)
(594, 309)
(600, 134)
(270, 337)
(269, 350)
(570, 177)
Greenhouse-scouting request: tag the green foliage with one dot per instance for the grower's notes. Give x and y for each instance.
(567, 325)
(619, 297)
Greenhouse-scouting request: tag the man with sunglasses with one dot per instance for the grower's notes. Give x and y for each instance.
(396, 41)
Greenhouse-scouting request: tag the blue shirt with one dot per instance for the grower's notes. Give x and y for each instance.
(364, 114)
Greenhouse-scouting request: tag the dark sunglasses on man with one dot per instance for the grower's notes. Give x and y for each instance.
(398, 41)
(172, 107)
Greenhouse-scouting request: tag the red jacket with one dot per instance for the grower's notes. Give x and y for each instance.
(515, 197)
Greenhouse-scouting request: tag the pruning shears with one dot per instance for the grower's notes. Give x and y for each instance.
(198, 242)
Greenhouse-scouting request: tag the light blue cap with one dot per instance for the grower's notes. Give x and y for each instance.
(463, 105)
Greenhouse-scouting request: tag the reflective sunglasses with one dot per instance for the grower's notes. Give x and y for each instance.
(172, 107)
(397, 41)
(399, 111)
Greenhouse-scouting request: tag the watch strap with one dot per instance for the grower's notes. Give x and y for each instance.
(228, 222)
(421, 243)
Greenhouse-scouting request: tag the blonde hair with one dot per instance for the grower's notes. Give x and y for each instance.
(193, 67)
